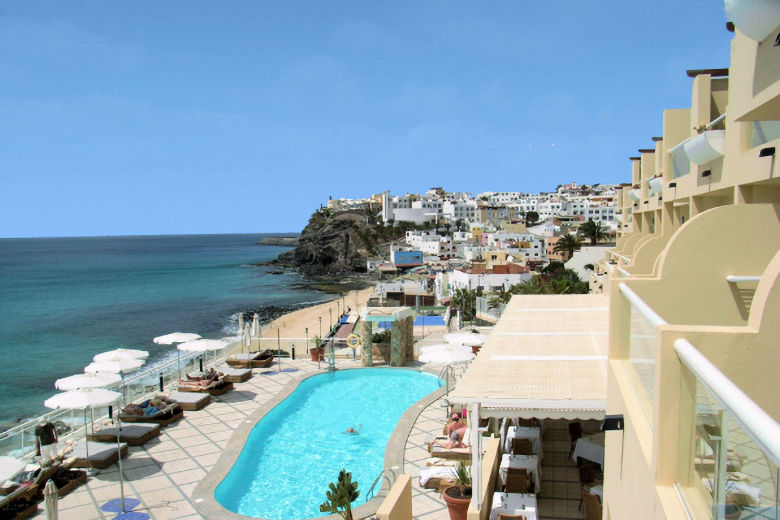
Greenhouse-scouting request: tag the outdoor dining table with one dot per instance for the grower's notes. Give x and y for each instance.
(531, 433)
(590, 447)
(598, 490)
(527, 462)
(514, 504)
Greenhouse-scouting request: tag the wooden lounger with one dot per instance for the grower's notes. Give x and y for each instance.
(168, 415)
(251, 360)
(20, 504)
(190, 401)
(235, 375)
(101, 454)
(214, 388)
(67, 480)
(451, 453)
(134, 434)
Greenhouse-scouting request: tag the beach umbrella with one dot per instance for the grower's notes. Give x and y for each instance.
(445, 347)
(50, 492)
(445, 357)
(469, 339)
(115, 366)
(88, 380)
(10, 467)
(119, 353)
(83, 399)
(175, 337)
(203, 345)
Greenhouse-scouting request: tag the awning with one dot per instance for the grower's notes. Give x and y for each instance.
(546, 358)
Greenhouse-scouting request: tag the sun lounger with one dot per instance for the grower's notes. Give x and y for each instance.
(21, 503)
(217, 387)
(252, 359)
(451, 453)
(134, 434)
(167, 415)
(67, 480)
(436, 477)
(101, 454)
(235, 375)
(190, 401)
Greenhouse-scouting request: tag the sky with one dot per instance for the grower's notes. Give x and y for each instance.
(176, 117)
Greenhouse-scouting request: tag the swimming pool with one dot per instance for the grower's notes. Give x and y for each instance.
(419, 321)
(299, 446)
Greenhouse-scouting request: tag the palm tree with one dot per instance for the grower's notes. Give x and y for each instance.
(466, 301)
(502, 297)
(568, 244)
(533, 285)
(593, 231)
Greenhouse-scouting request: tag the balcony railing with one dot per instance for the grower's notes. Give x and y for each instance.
(731, 447)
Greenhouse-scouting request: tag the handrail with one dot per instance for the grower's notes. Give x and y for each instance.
(624, 258)
(758, 424)
(625, 273)
(640, 304)
(736, 279)
(370, 492)
(706, 127)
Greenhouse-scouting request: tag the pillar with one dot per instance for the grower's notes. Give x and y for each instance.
(409, 326)
(396, 352)
(366, 349)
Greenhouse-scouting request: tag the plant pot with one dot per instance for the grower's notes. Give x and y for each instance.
(317, 354)
(706, 147)
(732, 512)
(458, 499)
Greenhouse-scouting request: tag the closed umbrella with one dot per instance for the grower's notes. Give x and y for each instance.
(256, 326)
(50, 492)
(119, 353)
(88, 380)
(10, 467)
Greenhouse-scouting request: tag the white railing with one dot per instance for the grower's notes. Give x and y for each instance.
(641, 306)
(758, 424)
(707, 127)
(737, 279)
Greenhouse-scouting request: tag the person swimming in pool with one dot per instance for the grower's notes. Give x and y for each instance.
(352, 431)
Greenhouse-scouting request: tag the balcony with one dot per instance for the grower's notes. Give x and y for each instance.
(706, 147)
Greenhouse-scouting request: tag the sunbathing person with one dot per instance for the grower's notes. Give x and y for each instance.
(455, 439)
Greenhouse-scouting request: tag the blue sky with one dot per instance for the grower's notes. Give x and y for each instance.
(150, 117)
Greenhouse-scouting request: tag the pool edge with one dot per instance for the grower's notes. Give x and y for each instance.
(203, 495)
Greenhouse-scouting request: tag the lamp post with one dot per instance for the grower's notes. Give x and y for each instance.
(330, 312)
(307, 339)
(320, 320)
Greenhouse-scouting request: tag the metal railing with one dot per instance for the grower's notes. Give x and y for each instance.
(382, 476)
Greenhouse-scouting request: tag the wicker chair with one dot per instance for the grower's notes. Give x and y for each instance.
(517, 481)
(522, 447)
(575, 433)
(592, 506)
(512, 517)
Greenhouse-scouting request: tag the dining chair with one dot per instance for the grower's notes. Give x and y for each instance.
(512, 517)
(522, 447)
(592, 506)
(517, 481)
(575, 433)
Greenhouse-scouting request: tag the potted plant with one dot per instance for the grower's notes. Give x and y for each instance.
(458, 496)
(317, 352)
(341, 495)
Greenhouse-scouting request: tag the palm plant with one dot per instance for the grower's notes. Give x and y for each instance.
(341, 496)
(533, 285)
(568, 244)
(593, 231)
(466, 301)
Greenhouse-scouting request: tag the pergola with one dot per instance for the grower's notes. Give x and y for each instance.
(401, 333)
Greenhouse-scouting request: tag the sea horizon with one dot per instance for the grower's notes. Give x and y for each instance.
(263, 233)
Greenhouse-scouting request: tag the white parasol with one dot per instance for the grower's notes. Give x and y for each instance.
(88, 380)
(10, 467)
(445, 347)
(116, 366)
(445, 357)
(119, 353)
(469, 339)
(203, 345)
(175, 337)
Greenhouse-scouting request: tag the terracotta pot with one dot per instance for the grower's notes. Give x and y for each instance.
(458, 507)
(317, 354)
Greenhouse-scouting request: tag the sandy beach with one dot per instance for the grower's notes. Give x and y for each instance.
(294, 324)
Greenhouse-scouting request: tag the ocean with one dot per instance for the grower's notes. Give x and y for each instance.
(66, 299)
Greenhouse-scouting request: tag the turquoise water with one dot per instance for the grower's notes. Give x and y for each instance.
(419, 321)
(66, 299)
(299, 447)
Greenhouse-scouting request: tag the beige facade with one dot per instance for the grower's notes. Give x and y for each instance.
(698, 265)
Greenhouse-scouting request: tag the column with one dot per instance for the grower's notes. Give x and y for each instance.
(396, 352)
(366, 349)
(409, 326)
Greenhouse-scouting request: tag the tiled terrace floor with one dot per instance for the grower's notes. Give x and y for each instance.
(163, 473)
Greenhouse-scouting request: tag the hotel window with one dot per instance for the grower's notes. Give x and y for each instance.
(761, 132)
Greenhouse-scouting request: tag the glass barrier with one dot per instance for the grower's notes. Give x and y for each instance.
(680, 162)
(761, 132)
(725, 469)
(641, 356)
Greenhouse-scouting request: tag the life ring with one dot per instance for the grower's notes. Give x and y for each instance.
(353, 341)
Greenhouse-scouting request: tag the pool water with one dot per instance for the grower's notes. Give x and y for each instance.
(299, 447)
(419, 321)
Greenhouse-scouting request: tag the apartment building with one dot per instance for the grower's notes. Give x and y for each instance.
(694, 285)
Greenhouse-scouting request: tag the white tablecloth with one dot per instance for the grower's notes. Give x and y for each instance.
(597, 490)
(524, 432)
(527, 462)
(513, 504)
(590, 448)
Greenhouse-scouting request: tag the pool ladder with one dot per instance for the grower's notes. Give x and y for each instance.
(382, 476)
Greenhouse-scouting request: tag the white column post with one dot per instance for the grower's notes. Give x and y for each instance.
(476, 457)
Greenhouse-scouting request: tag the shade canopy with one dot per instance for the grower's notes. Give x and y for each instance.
(121, 353)
(10, 467)
(79, 399)
(203, 345)
(176, 337)
(545, 358)
(88, 380)
(117, 366)
(470, 339)
(445, 347)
